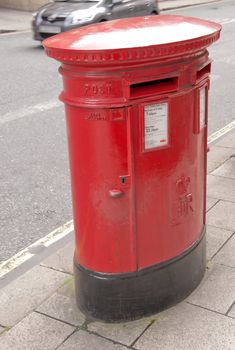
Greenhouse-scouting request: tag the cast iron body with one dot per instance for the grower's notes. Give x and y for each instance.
(136, 97)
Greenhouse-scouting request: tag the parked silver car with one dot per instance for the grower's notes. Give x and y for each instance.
(62, 15)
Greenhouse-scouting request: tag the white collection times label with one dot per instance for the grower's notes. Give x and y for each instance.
(202, 107)
(155, 125)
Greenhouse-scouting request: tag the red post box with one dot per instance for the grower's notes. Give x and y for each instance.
(136, 99)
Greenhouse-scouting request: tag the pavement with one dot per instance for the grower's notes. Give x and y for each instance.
(173, 4)
(38, 309)
(15, 20)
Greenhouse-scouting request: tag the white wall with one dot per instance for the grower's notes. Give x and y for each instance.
(26, 5)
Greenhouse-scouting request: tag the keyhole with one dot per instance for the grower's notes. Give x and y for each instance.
(123, 180)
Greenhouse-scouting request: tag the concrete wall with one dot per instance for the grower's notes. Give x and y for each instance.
(25, 5)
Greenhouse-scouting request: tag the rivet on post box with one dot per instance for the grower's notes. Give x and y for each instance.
(136, 99)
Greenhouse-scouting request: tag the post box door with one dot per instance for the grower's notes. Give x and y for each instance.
(102, 189)
(170, 167)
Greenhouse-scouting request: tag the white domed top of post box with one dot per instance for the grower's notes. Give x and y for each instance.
(133, 39)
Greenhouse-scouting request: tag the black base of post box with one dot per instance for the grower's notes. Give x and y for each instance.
(125, 297)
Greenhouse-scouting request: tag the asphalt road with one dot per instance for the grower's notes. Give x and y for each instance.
(34, 179)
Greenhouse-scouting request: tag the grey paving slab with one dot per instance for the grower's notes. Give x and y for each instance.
(62, 308)
(62, 305)
(232, 311)
(35, 332)
(82, 340)
(67, 288)
(125, 333)
(27, 292)
(226, 255)
(215, 238)
(62, 260)
(210, 202)
(221, 188)
(227, 169)
(217, 156)
(188, 327)
(217, 291)
(227, 141)
(222, 215)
